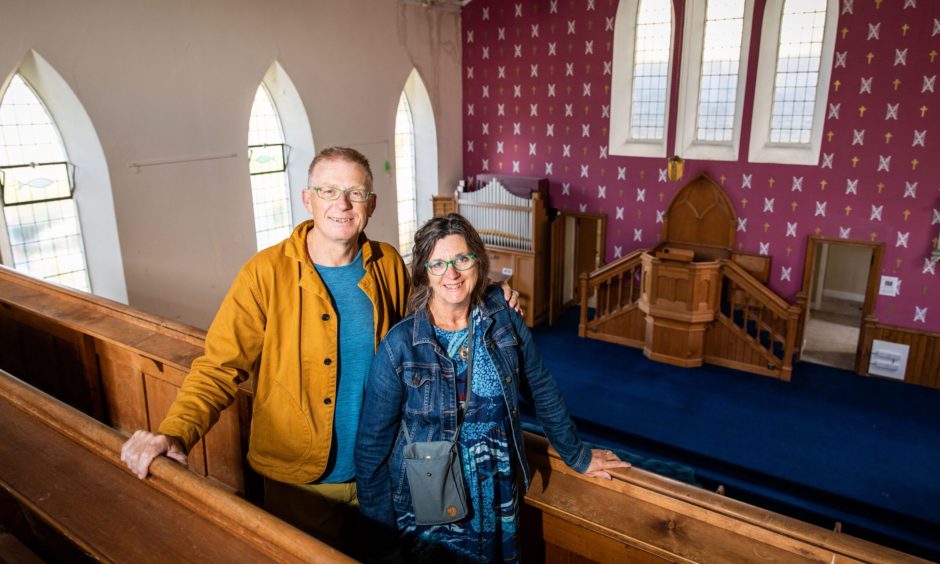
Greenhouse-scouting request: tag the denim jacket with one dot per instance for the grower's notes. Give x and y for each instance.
(412, 377)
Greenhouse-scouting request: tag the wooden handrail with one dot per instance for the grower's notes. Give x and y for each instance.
(747, 281)
(611, 269)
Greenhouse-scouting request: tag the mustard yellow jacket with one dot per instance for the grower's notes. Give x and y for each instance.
(277, 324)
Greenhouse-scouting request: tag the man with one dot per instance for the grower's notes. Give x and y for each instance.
(303, 317)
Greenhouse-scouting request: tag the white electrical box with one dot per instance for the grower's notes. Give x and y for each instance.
(888, 359)
(890, 286)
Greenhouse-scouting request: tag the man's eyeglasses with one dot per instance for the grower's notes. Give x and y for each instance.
(330, 193)
(459, 262)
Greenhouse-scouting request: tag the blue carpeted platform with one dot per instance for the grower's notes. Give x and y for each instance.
(828, 446)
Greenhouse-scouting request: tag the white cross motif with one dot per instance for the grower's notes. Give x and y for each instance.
(605, 110)
(486, 128)
(910, 189)
(764, 248)
(501, 34)
(892, 111)
(791, 229)
(533, 71)
(602, 192)
(608, 68)
(638, 235)
(900, 57)
(851, 186)
(553, 7)
(486, 53)
(470, 36)
(535, 30)
(515, 166)
(486, 14)
(769, 205)
(797, 184)
(746, 180)
(499, 146)
(660, 216)
(820, 209)
(516, 128)
(486, 164)
(500, 109)
(844, 232)
(531, 149)
(517, 51)
(533, 110)
(517, 91)
(486, 91)
(589, 47)
(929, 267)
(501, 71)
(570, 27)
(549, 130)
(518, 10)
(566, 150)
(936, 217)
(469, 72)
(590, 5)
(834, 111)
(876, 212)
(584, 171)
(920, 314)
(551, 90)
(884, 163)
(565, 188)
(928, 83)
(585, 130)
(469, 109)
(569, 69)
(586, 89)
(662, 175)
(742, 224)
(548, 168)
(858, 137)
(582, 208)
(619, 212)
(609, 24)
(847, 7)
(785, 273)
(866, 85)
(902, 239)
(569, 110)
(469, 145)
(641, 194)
(920, 137)
(621, 173)
(873, 30)
(910, 4)
(936, 27)
(840, 59)
(552, 48)
(603, 152)
(827, 160)
(618, 252)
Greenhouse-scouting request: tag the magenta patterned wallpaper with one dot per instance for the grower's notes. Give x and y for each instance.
(536, 102)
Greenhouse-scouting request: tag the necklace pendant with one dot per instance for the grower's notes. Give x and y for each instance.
(464, 353)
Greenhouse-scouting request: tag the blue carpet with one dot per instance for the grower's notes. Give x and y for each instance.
(829, 445)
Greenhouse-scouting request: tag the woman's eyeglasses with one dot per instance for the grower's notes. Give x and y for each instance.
(459, 262)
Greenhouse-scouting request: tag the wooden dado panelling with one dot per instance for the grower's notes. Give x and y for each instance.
(923, 360)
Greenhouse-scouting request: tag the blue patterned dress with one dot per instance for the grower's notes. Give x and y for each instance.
(489, 533)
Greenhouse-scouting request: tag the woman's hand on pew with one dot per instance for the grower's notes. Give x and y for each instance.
(602, 461)
(140, 450)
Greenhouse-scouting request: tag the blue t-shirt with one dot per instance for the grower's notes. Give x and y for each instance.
(356, 348)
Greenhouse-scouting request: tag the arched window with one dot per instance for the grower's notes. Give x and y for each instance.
(43, 231)
(405, 180)
(642, 65)
(267, 165)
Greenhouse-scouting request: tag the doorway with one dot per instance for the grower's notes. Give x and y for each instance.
(839, 280)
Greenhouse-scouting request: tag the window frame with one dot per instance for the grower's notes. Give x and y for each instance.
(620, 141)
(693, 34)
(762, 150)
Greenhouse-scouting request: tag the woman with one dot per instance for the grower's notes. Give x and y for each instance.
(419, 378)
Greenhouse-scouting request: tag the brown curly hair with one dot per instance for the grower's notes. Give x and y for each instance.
(426, 238)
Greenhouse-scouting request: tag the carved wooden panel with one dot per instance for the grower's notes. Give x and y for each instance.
(700, 215)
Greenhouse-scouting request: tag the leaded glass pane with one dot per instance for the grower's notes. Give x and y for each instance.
(267, 167)
(35, 183)
(650, 68)
(266, 158)
(721, 57)
(798, 57)
(405, 178)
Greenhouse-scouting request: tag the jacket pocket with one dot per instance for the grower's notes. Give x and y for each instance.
(508, 346)
(280, 433)
(421, 384)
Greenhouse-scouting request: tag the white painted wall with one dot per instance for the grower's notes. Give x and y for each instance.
(175, 79)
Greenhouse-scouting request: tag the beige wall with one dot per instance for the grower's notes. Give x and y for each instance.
(847, 271)
(174, 80)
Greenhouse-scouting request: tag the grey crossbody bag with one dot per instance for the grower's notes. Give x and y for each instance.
(435, 475)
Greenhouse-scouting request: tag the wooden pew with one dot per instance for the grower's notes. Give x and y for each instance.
(129, 364)
(64, 468)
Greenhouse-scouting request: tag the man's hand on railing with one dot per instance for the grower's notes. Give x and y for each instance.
(140, 450)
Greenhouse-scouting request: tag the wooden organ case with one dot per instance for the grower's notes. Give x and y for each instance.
(511, 214)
